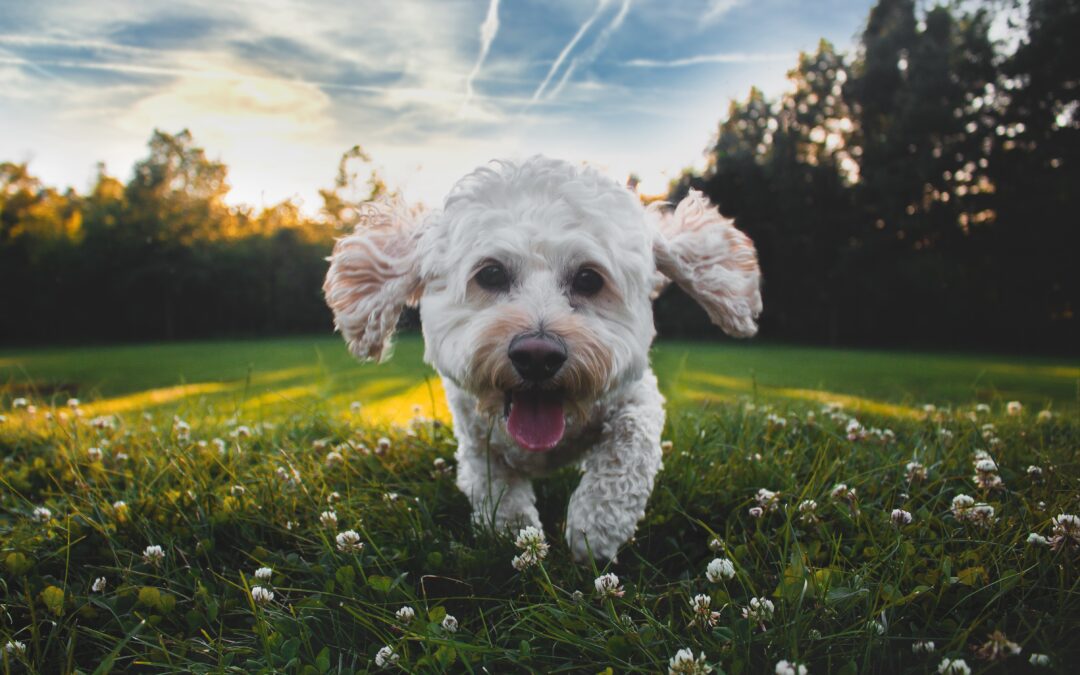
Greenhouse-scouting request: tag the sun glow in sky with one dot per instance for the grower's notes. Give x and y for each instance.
(278, 89)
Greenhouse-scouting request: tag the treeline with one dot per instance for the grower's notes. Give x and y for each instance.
(923, 191)
(919, 192)
(163, 256)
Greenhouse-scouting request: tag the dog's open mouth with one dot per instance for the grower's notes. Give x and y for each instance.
(535, 418)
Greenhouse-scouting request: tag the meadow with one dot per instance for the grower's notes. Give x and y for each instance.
(272, 506)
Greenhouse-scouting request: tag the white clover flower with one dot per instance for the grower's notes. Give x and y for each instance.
(855, 431)
(99, 585)
(982, 514)
(355, 407)
(1039, 660)
(986, 465)
(1035, 472)
(73, 403)
(684, 663)
(1037, 540)
(792, 668)
(1044, 416)
(219, 444)
(264, 573)
(333, 458)
(382, 446)
(953, 667)
(719, 569)
(119, 505)
(31, 409)
(261, 596)
(923, 647)
(900, 517)
(241, 431)
(153, 554)
(450, 623)
(759, 610)
(441, 466)
(386, 657)
(775, 420)
(716, 544)
(756, 512)
(19, 402)
(808, 511)
(42, 514)
(1066, 531)
(945, 435)
(328, 518)
(875, 627)
(390, 497)
(15, 648)
(405, 615)
(915, 471)
(349, 542)
(982, 408)
(666, 446)
(929, 408)
(703, 614)
(960, 506)
(534, 548)
(237, 490)
(997, 647)
(841, 491)
(94, 454)
(607, 586)
(1013, 408)
(122, 457)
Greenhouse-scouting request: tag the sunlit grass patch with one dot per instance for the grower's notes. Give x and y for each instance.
(208, 535)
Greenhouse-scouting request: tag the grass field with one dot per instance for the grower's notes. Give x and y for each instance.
(231, 456)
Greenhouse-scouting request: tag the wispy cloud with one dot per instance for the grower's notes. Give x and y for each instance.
(717, 9)
(732, 57)
(488, 30)
(569, 48)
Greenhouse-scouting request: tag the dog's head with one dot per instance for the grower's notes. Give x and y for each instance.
(535, 285)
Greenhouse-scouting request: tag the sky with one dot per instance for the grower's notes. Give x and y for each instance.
(431, 89)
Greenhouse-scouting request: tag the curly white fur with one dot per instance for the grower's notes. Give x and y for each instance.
(543, 220)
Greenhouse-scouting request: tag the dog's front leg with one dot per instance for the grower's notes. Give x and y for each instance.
(500, 497)
(619, 471)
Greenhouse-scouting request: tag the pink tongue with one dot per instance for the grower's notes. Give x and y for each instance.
(536, 419)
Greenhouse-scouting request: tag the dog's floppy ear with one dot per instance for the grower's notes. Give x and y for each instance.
(714, 263)
(374, 273)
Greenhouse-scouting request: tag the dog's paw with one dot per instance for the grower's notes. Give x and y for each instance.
(585, 545)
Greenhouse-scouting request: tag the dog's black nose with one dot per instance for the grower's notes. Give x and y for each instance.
(537, 357)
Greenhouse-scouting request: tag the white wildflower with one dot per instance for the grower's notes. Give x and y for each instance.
(953, 667)
(756, 512)
(95, 454)
(775, 420)
(237, 490)
(450, 623)
(382, 446)
(607, 586)
(19, 402)
(1039, 660)
(915, 472)
(790, 668)
(997, 647)
(405, 615)
(900, 517)
(349, 542)
(768, 500)
(15, 648)
(264, 573)
(716, 544)
(328, 518)
(355, 407)
(534, 548)
(99, 585)
(261, 596)
(1044, 416)
(1035, 472)
(1066, 531)
(684, 663)
(1013, 408)
(666, 446)
(333, 458)
(960, 506)
(1037, 540)
(719, 569)
(923, 647)
(703, 614)
(386, 657)
(808, 511)
(982, 514)
(759, 610)
(220, 445)
(42, 514)
(73, 403)
(153, 554)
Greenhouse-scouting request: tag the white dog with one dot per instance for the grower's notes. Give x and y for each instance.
(535, 286)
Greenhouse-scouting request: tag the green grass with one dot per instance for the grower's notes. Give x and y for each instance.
(833, 579)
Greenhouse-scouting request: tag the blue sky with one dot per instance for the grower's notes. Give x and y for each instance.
(278, 89)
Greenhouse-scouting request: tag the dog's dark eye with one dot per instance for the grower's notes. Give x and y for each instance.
(493, 277)
(587, 282)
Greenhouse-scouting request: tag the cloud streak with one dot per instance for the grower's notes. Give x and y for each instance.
(569, 48)
(488, 30)
(731, 57)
